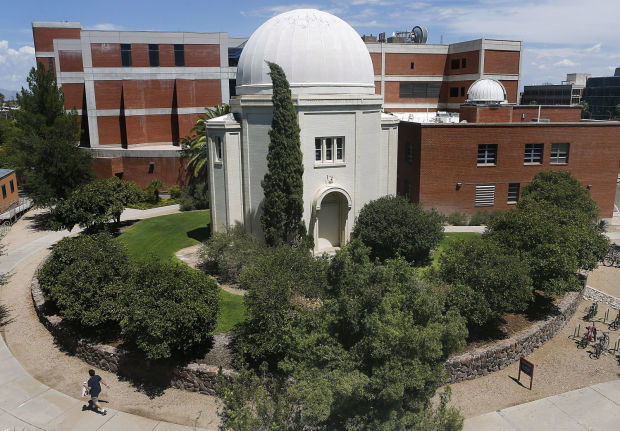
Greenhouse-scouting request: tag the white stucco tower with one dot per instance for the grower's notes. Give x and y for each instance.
(349, 146)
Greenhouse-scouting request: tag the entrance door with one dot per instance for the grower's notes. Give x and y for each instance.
(330, 222)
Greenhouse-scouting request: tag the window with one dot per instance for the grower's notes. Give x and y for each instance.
(412, 65)
(329, 150)
(153, 55)
(485, 195)
(12, 186)
(533, 153)
(462, 91)
(559, 153)
(179, 55)
(50, 66)
(455, 63)
(151, 167)
(3, 191)
(463, 63)
(217, 141)
(409, 153)
(513, 192)
(454, 91)
(421, 90)
(487, 154)
(408, 190)
(126, 54)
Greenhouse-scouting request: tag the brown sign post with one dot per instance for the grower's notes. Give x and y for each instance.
(528, 368)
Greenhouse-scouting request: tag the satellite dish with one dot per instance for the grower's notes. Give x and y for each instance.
(419, 34)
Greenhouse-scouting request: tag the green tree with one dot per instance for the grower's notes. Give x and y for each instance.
(194, 146)
(585, 109)
(92, 205)
(85, 277)
(1, 99)
(283, 183)
(364, 352)
(169, 308)
(392, 226)
(44, 151)
(486, 280)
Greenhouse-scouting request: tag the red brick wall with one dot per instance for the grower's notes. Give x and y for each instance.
(74, 95)
(106, 54)
(109, 130)
(554, 114)
(472, 59)
(444, 92)
(392, 90)
(168, 170)
(376, 62)
(424, 64)
(512, 92)
(148, 129)
(44, 37)
(70, 61)
(199, 93)
(140, 55)
(198, 55)
(449, 153)
(377, 87)
(108, 94)
(501, 61)
(45, 62)
(148, 94)
(166, 55)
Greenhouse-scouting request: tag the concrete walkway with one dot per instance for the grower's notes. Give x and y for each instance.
(592, 408)
(26, 403)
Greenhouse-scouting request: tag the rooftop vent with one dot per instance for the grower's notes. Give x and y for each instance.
(418, 34)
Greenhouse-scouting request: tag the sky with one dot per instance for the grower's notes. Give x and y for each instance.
(559, 36)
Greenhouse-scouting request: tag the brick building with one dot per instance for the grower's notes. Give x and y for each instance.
(483, 163)
(140, 92)
(8, 188)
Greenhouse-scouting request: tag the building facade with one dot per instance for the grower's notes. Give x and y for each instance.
(349, 146)
(484, 162)
(8, 188)
(140, 92)
(603, 97)
(569, 92)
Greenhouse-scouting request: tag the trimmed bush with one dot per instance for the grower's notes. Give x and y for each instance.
(170, 308)
(486, 280)
(175, 192)
(151, 192)
(85, 277)
(195, 197)
(392, 226)
(484, 217)
(457, 218)
(226, 254)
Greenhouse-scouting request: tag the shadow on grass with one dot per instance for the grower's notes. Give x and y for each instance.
(200, 234)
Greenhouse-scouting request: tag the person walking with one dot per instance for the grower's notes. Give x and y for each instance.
(94, 389)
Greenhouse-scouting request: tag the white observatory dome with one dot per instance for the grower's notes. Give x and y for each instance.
(319, 52)
(486, 91)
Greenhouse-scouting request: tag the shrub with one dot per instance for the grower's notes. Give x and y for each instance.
(85, 276)
(484, 217)
(227, 253)
(392, 226)
(486, 280)
(170, 308)
(457, 218)
(151, 192)
(175, 191)
(195, 197)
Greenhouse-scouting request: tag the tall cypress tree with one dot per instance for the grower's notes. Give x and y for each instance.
(283, 183)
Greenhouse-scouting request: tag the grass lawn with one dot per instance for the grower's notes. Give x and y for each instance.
(449, 239)
(163, 236)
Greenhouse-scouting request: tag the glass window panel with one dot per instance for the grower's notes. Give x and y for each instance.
(513, 192)
(559, 153)
(179, 55)
(329, 147)
(339, 149)
(487, 154)
(126, 54)
(318, 150)
(153, 55)
(533, 153)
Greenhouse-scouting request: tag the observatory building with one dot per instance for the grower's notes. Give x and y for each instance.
(349, 146)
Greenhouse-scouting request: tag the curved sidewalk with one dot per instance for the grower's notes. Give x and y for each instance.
(26, 403)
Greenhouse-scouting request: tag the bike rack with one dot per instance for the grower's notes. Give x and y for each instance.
(606, 316)
(616, 347)
(578, 331)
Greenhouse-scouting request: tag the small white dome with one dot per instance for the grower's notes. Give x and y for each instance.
(486, 91)
(319, 52)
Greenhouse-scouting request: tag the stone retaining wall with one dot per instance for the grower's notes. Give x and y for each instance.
(192, 377)
(496, 356)
(593, 294)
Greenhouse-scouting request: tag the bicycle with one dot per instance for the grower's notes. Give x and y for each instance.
(592, 311)
(613, 255)
(600, 347)
(589, 336)
(616, 323)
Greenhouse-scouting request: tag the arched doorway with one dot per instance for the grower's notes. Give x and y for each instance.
(331, 219)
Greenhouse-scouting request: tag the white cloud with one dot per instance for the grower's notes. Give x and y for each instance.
(15, 65)
(106, 26)
(595, 48)
(565, 63)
